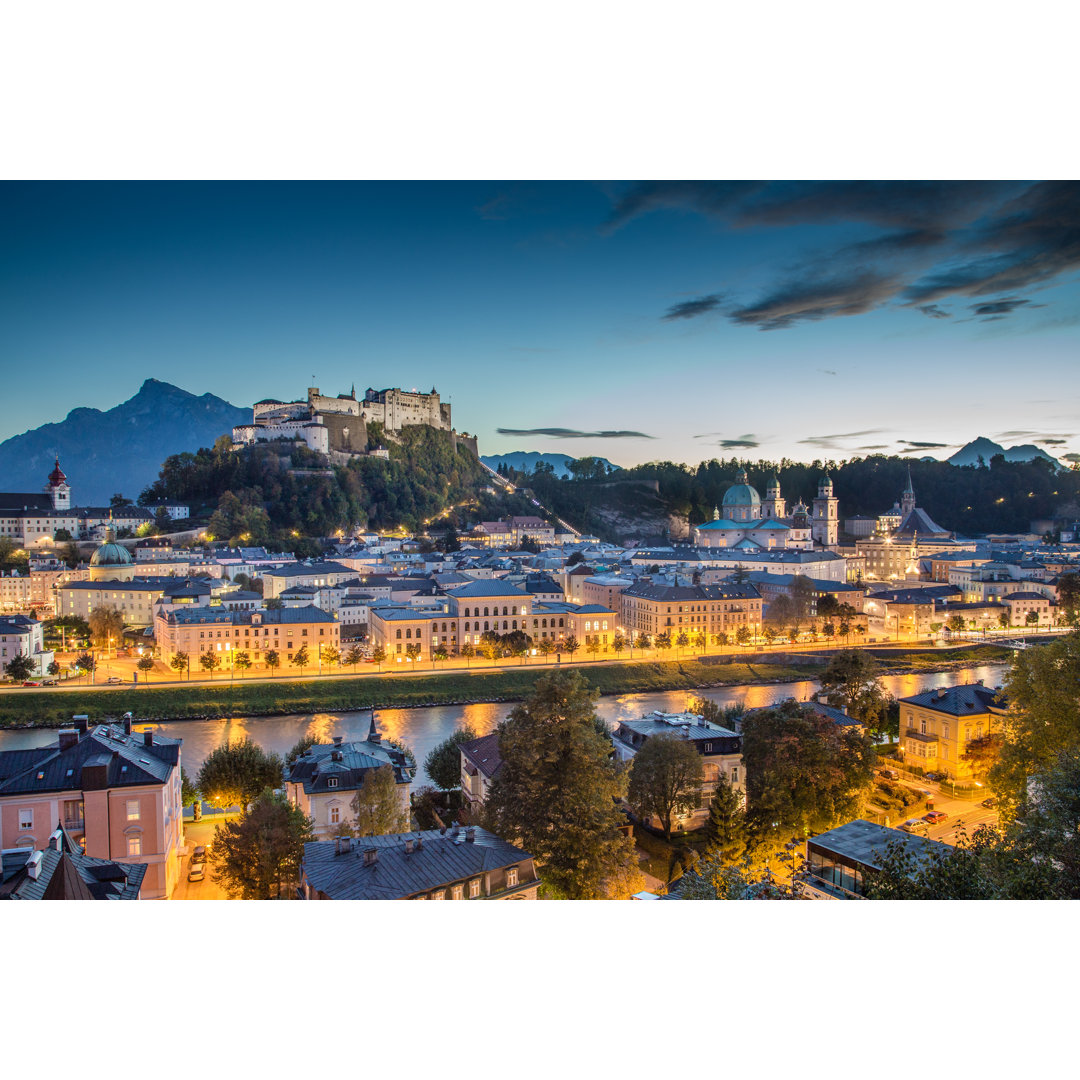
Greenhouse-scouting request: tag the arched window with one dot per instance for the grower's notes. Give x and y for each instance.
(560, 623)
(543, 622)
(466, 627)
(486, 612)
(515, 624)
(505, 627)
(485, 625)
(504, 609)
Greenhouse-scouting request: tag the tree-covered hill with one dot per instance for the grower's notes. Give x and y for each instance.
(1005, 497)
(273, 492)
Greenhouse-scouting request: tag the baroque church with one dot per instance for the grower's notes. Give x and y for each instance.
(746, 522)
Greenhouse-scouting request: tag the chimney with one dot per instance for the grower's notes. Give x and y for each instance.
(33, 866)
(337, 740)
(419, 842)
(148, 737)
(470, 835)
(68, 738)
(81, 722)
(408, 845)
(371, 856)
(454, 828)
(127, 723)
(336, 755)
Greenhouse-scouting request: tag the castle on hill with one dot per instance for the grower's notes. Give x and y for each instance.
(340, 424)
(749, 523)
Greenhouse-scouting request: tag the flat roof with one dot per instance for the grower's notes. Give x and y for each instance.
(864, 842)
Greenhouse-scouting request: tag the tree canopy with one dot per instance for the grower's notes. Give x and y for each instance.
(851, 682)
(377, 805)
(443, 764)
(665, 779)
(555, 794)
(255, 856)
(237, 774)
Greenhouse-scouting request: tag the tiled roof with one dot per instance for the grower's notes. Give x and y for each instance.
(481, 589)
(300, 569)
(967, 700)
(441, 861)
(347, 763)
(128, 760)
(67, 875)
(484, 754)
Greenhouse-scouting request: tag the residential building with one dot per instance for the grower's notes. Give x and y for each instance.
(653, 609)
(840, 861)
(317, 573)
(454, 864)
(115, 791)
(196, 629)
(323, 781)
(480, 764)
(720, 749)
(23, 636)
(937, 725)
(61, 871)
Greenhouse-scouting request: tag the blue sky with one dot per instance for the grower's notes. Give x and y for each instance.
(686, 320)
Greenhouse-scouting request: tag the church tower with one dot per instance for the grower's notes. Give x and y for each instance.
(826, 527)
(58, 489)
(774, 504)
(907, 500)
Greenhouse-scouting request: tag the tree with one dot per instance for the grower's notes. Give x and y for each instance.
(592, 645)
(555, 794)
(700, 640)
(20, 667)
(743, 635)
(546, 646)
(451, 541)
(85, 662)
(618, 643)
(301, 659)
(273, 660)
(273, 603)
(770, 634)
(780, 611)
(1003, 619)
(301, 747)
(145, 664)
(378, 655)
(377, 805)
(801, 591)
(955, 624)
(254, 856)
(1069, 598)
(180, 662)
(440, 652)
(851, 682)
(241, 661)
(1043, 717)
(443, 764)
(725, 827)
(53, 668)
(353, 656)
(571, 645)
(62, 536)
(209, 662)
(663, 641)
(829, 630)
(331, 656)
(642, 640)
(106, 626)
(412, 651)
(982, 754)
(235, 775)
(1032, 618)
(804, 772)
(189, 792)
(665, 779)
(722, 639)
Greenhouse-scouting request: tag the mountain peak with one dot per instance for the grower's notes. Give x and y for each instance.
(985, 448)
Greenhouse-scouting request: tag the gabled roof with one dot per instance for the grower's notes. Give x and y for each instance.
(918, 522)
(69, 875)
(347, 763)
(484, 754)
(971, 699)
(441, 861)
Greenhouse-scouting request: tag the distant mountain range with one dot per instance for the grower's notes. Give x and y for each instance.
(526, 461)
(986, 448)
(121, 449)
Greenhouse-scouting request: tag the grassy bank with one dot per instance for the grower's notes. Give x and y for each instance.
(53, 708)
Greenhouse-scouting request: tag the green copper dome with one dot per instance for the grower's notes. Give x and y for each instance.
(741, 493)
(111, 553)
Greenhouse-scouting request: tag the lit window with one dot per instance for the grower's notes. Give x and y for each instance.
(474, 889)
(458, 893)
(511, 877)
(26, 819)
(438, 896)
(134, 845)
(335, 815)
(133, 809)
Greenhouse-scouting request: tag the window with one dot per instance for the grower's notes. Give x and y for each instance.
(335, 815)
(708, 748)
(133, 809)
(26, 819)
(735, 775)
(331, 781)
(438, 895)
(458, 893)
(474, 888)
(134, 845)
(511, 877)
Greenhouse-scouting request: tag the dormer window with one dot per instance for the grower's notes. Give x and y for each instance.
(511, 877)
(331, 781)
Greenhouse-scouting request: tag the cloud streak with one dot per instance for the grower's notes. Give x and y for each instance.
(691, 309)
(572, 433)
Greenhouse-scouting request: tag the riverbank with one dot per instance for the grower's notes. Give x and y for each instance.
(52, 708)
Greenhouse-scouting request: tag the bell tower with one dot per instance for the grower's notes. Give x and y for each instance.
(58, 489)
(774, 504)
(826, 526)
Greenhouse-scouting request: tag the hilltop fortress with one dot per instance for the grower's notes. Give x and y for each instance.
(339, 425)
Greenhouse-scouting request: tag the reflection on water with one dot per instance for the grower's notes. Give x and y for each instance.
(423, 729)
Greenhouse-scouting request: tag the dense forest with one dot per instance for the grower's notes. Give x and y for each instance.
(1003, 497)
(272, 492)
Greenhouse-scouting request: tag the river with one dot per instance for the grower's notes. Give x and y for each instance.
(422, 729)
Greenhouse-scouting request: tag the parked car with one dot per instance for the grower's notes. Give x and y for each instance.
(197, 872)
(936, 817)
(199, 854)
(990, 802)
(934, 776)
(31, 683)
(914, 825)
(889, 774)
(113, 680)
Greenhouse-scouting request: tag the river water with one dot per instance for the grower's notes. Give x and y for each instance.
(422, 729)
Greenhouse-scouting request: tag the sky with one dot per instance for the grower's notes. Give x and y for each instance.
(634, 320)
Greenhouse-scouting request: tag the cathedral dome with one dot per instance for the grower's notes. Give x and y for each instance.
(741, 493)
(111, 553)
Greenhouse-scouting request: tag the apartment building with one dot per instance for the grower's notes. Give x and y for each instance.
(653, 609)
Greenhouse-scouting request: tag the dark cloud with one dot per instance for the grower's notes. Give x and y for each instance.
(1037, 436)
(834, 442)
(876, 446)
(735, 444)
(572, 433)
(826, 371)
(909, 447)
(1032, 239)
(999, 307)
(712, 198)
(934, 312)
(1070, 457)
(690, 309)
(1052, 442)
(809, 301)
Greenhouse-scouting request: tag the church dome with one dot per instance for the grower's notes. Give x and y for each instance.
(741, 493)
(111, 553)
(57, 477)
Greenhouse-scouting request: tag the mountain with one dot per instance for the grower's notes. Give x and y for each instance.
(987, 448)
(121, 449)
(526, 461)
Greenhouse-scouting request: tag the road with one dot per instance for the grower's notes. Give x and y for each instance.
(195, 833)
